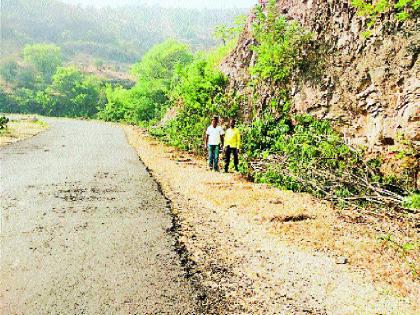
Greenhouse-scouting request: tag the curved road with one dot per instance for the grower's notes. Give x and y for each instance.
(84, 229)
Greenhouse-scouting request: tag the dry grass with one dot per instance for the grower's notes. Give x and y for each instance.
(19, 128)
(305, 221)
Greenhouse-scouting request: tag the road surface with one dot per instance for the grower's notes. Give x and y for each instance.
(84, 228)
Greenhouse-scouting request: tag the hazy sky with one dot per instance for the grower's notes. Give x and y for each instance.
(171, 3)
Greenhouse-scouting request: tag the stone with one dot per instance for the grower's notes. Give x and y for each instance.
(341, 261)
(373, 79)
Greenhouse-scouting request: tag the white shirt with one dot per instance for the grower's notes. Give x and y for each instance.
(214, 134)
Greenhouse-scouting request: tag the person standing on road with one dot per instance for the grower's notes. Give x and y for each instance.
(214, 143)
(233, 143)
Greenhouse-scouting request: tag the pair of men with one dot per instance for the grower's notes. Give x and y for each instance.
(216, 139)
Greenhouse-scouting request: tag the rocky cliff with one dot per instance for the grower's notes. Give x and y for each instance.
(369, 87)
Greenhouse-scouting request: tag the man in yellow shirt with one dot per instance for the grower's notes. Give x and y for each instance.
(232, 145)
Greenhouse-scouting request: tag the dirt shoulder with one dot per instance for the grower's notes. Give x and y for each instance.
(260, 250)
(21, 127)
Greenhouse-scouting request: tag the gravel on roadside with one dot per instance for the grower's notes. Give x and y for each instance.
(234, 260)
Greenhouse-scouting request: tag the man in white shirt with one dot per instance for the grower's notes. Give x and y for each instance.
(214, 143)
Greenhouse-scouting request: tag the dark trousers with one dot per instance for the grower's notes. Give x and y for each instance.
(228, 153)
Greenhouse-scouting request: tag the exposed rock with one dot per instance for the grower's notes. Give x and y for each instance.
(370, 84)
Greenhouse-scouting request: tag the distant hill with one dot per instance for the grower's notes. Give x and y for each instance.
(215, 4)
(119, 35)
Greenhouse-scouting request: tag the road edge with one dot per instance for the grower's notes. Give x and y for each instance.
(208, 301)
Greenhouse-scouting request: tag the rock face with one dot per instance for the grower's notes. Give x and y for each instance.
(369, 86)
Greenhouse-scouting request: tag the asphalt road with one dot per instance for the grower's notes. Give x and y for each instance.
(84, 228)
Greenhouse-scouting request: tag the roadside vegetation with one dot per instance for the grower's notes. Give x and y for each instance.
(3, 122)
(296, 152)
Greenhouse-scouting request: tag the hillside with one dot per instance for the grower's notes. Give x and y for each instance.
(120, 35)
(363, 77)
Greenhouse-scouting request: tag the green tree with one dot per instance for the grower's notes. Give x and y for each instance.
(9, 70)
(227, 33)
(46, 58)
(159, 64)
(116, 107)
(200, 90)
(6, 103)
(404, 9)
(156, 72)
(73, 94)
(279, 47)
(26, 102)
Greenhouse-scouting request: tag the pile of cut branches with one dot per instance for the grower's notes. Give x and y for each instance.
(306, 155)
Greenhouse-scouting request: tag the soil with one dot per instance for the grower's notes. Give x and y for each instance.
(244, 244)
(19, 128)
(85, 229)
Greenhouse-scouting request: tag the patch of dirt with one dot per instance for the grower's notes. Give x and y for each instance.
(19, 128)
(241, 249)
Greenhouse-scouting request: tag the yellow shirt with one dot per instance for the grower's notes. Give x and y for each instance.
(233, 138)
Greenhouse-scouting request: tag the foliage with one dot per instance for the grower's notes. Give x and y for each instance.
(146, 100)
(412, 201)
(279, 47)
(46, 58)
(28, 78)
(227, 33)
(116, 107)
(159, 64)
(9, 70)
(404, 9)
(136, 105)
(72, 94)
(25, 101)
(200, 92)
(21, 76)
(302, 153)
(3, 122)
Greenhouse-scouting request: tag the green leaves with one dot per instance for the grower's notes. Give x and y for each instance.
(71, 94)
(302, 153)
(199, 90)
(228, 33)
(45, 57)
(159, 64)
(279, 45)
(404, 9)
(412, 202)
(157, 73)
(3, 122)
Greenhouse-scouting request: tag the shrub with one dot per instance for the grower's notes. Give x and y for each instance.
(200, 91)
(147, 99)
(3, 122)
(72, 94)
(412, 201)
(279, 47)
(404, 9)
